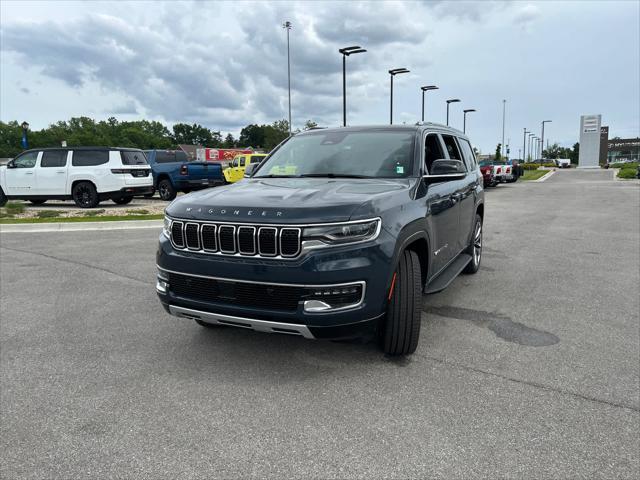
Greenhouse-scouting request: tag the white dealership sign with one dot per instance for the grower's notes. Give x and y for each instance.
(589, 141)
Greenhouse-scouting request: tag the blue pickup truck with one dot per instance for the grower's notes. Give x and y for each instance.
(173, 172)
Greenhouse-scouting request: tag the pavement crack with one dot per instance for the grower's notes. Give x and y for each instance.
(76, 262)
(531, 384)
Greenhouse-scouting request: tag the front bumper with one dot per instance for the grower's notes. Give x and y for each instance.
(369, 263)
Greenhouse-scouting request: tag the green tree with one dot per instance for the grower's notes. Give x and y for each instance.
(229, 141)
(575, 153)
(309, 124)
(498, 152)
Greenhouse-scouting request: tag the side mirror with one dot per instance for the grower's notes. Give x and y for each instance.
(444, 170)
(250, 169)
(10, 164)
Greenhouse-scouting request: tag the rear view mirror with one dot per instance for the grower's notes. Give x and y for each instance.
(446, 167)
(444, 170)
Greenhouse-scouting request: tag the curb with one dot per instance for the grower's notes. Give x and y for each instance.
(78, 226)
(545, 176)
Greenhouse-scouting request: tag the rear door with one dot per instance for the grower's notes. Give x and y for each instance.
(52, 173)
(21, 180)
(442, 208)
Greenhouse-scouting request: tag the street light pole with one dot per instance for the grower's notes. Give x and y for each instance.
(424, 89)
(25, 140)
(524, 146)
(287, 26)
(345, 53)
(393, 73)
(504, 103)
(451, 100)
(529, 145)
(464, 119)
(542, 136)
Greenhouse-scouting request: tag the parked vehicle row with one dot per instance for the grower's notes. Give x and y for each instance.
(86, 175)
(495, 173)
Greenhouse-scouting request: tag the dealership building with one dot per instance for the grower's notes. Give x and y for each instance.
(623, 150)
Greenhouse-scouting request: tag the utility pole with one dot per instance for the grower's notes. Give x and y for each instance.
(451, 100)
(504, 106)
(287, 26)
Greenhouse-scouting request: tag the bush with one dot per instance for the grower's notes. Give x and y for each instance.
(14, 208)
(530, 166)
(628, 173)
(48, 214)
(624, 165)
(549, 165)
(6, 215)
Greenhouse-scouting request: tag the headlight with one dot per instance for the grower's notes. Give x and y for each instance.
(343, 233)
(166, 228)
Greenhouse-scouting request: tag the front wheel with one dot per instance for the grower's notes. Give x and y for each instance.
(401, 329)
(166, 190)
(3, 198)
(122, 200)
(475, 248)
(85, 195)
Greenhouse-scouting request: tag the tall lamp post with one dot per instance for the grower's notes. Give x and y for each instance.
(529, 145)
(504, 106)
(451, 100)
(534, 145)
(25, 141)
(524, 146)
(393, 73)
(425, 89)
(542, 136)
(346, 51)
(288, 26)
(464, 119)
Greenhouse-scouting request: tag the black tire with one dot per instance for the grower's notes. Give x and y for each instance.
(401, 330)
(38, 202)
(122, 200)
(85, 195)
(475, 248)
(3, 198)
(166, 190)
(206, 325)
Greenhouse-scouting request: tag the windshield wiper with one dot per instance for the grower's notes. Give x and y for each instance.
(332, 175)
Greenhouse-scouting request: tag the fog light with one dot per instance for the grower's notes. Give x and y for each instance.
(162, 286)
(337, 297)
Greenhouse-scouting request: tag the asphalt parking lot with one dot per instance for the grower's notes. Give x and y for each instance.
(528, 369)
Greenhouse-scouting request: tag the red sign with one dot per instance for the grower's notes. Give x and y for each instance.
(223, 154)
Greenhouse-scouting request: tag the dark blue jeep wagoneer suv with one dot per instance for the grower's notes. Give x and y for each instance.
(337, 234)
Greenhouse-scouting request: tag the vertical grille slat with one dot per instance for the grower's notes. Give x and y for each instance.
(267, 241)
(246, 240)
(209, 240)
(177, 236)
(289, 242)
(227, 238)
(192, 236)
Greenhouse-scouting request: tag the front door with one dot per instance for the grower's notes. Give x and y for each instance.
(21, 178)
(442, 209)
(468, 193)
(52, 173)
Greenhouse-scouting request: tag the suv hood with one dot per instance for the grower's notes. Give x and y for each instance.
(287, 200)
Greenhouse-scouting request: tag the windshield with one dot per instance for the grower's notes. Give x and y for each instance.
(381, 154)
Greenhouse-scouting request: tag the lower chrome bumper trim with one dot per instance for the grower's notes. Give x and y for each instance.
(231, 321)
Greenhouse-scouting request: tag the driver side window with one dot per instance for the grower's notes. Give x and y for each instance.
(235, 162)
(432, 150)
(26, 160)
(242, 160)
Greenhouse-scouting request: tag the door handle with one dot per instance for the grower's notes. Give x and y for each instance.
(60, 171)
(28, 173)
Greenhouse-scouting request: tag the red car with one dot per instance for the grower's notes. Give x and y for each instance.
(488, 175)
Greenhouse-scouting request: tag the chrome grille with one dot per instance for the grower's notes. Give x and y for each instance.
(244, 240)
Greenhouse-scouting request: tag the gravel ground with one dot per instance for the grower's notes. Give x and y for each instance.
(529, 369)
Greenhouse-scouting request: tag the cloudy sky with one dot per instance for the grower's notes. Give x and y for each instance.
(224, 64)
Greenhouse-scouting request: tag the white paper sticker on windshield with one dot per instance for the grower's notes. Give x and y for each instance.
(399, 169)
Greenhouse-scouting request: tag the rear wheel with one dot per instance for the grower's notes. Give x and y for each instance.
(122, 200)
(475, 248)
(3, 198)
(401, 330)
(166, 190)
(38, 202)
(85, 195)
